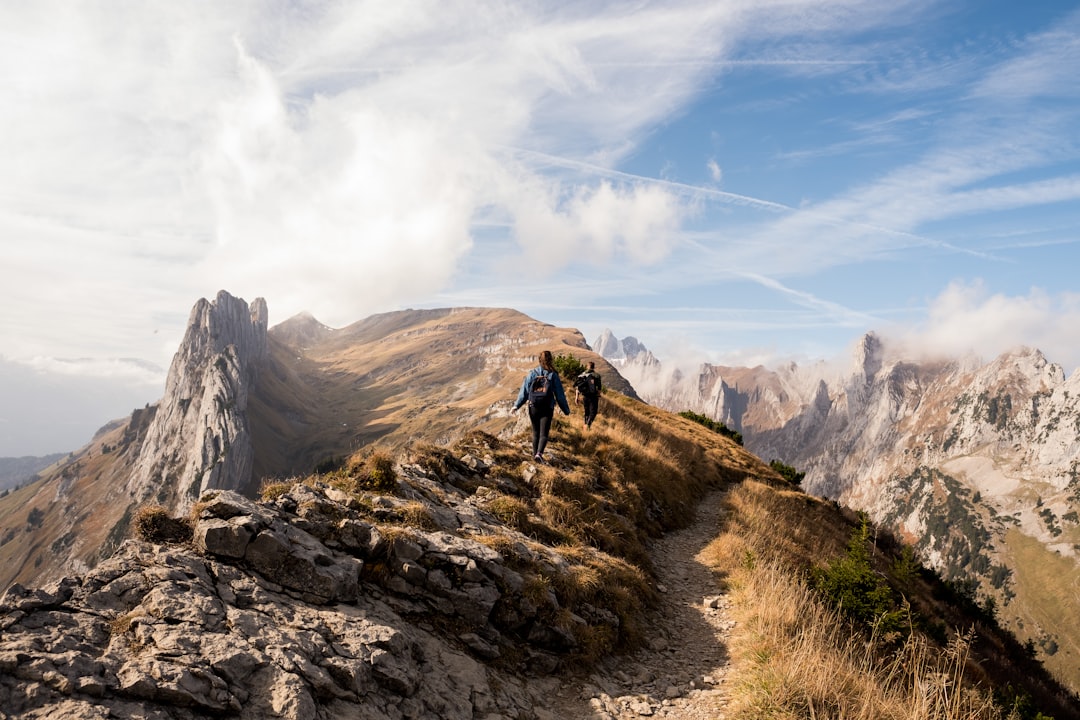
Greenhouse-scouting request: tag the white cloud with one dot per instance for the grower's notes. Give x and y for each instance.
(714, 170)
(345, 158)
(966, 318)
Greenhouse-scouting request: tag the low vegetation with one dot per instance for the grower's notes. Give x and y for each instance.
(834, 626)
(713, 425)
(568, 366)
(787, 472)
(834, 618)
(152, 523)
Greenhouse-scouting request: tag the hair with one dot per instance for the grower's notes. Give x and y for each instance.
(546, 361)
(592, 365)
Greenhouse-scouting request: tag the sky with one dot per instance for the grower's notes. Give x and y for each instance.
(737, 181)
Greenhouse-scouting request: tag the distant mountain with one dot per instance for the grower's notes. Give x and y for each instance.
(977, 465)
(245, 403)
(406, 558)
(17, 470)
(626, 352)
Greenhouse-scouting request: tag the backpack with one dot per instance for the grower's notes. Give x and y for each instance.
(541, 392)
(586, 384)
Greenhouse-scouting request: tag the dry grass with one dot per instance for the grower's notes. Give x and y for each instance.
(794, 657)
(416, 514)
(512, 511)
(274, 489)
(371, 470)
(152, 523)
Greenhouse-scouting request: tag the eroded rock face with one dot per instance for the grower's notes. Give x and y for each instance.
(199, 438)
(299, 608)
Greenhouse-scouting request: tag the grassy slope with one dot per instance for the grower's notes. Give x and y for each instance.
(640, 472)
(797, 657)
(1043, 599)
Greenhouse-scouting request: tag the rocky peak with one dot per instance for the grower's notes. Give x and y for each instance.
(608, 345)
(868, 356)
(629, 350)
(301, 330)
(199, 438)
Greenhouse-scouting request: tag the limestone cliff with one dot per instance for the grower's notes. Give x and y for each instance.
(300, 608)
(200, 437)
(976, 464)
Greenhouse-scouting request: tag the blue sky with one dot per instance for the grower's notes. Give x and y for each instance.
(739, 182)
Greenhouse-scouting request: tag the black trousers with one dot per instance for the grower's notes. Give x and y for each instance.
(541, 426)
(591, 405)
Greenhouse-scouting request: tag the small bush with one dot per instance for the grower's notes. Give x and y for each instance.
(153, 524)
(372, 470)
(717, 427)
(568, 366)
(787, 472)
(851, 585)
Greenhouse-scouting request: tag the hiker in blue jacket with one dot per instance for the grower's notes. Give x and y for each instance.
(542, 388)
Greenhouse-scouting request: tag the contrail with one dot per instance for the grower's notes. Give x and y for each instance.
(677, 186)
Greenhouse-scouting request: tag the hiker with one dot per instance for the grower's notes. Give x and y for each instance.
(542, 388)
(587, 389)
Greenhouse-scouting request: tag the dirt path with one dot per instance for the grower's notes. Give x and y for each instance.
(681, 674)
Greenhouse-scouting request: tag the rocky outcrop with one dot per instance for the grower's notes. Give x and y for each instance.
(621, 353)
(200, 437)
(297, 608)
(967, 461)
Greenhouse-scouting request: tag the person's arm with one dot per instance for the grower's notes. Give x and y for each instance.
(523, 393)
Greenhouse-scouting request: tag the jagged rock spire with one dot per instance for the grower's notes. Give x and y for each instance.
(199, 438)
(868, 356)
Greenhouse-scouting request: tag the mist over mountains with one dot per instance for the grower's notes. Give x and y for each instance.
(251, 410)
(56, 406)
(975, 464)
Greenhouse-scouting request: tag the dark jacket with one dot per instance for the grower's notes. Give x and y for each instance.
(560, 396)
(591, 374)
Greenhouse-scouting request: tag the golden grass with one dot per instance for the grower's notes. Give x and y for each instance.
(416, 514)
(1047, 597)
(371, 469)
(274, 489)
(513, 511)
(794, 657)
(152, 523)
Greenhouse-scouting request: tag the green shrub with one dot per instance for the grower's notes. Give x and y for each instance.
(713, 425)
(569, 367)
(787, 472)
(851, 585)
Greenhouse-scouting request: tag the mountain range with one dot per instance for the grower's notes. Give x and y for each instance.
(495, 558)
(972, 463)
(245, 404)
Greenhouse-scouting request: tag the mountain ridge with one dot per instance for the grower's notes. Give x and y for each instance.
(961, 458)
(399, 574)
(245, 403)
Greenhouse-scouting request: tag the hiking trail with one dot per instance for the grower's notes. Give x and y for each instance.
(680, 673)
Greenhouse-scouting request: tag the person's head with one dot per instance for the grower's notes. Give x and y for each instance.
(546, 361)
(592, 365)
